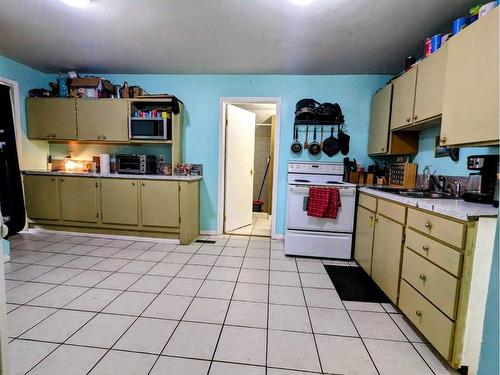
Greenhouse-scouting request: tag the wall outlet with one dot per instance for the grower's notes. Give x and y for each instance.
(161, 158)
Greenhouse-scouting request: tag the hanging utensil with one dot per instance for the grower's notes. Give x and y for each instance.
(321, 141)
(343, 141)
(331, 145)
(314, 147)
(306, 143)
(296, 146)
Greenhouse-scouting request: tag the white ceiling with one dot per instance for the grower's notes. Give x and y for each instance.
(222, 36)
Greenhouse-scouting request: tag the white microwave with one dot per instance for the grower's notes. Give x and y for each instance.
(152, 128)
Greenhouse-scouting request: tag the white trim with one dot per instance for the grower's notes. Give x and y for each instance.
(208, 232)
(278, 236)
(222, 147)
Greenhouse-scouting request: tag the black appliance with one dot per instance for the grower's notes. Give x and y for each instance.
(481, 185)
(136, 164)
(11, 190)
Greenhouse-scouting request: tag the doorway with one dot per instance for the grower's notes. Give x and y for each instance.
(248, 167)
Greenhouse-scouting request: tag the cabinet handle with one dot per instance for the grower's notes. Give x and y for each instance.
(52, 179)
(382, 149)
(98, 137)
(133, 183)
(425, 248)
(62, 179)
(443, 139)
(428, 225)
(422, 277)
(408, 119)
(418, 313)
(48, 136)
(415, 117)
(104, 137)
(143, 184)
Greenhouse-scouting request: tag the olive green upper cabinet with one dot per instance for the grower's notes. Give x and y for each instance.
(160, 203)
(79, 198)
(471, 94)
(42, 197)
(51, 118)
(380, 114)
(430, 86)
(102, 120)
(403, 98)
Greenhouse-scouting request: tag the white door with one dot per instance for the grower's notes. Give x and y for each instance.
(240, 145)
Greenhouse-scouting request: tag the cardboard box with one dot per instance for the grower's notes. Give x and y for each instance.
(91, 87)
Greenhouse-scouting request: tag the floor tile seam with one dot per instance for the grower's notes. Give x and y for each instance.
(136, 319)
(309, 317)
(361, 338)
(226, 314)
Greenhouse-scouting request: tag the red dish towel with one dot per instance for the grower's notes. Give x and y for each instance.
(323, 202)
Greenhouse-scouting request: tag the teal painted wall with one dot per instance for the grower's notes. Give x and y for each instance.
(489, 361)
(445, 165)
(201, 95)
(26, 77)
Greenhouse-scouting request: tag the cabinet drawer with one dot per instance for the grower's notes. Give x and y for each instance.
(433, 324)
(445, 230)
(367, 202)
(435, 284)
(442, 255)
(393, 211)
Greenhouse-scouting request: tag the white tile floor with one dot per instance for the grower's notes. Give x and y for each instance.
(90, 305)
(261, 226)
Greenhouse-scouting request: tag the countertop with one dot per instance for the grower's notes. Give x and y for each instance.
(455, 208)
(113, 175)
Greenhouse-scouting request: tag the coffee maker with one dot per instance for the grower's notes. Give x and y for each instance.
(481, 183)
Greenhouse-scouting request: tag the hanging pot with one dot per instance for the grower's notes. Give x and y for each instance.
(314, 147)
(331, 145)
(296, 146)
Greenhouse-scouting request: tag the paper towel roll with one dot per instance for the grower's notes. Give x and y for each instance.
(104, 160)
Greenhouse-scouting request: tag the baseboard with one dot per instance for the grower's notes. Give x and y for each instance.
(6, 258)
(278, 236)
(208, 232)
(102, 235)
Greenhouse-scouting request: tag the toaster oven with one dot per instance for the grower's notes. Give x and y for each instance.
(136, 164)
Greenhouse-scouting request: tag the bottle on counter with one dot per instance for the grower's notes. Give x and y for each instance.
(426, 178)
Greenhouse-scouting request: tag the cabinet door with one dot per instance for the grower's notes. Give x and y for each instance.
(114, 119)
(387, 248)
(79, 199)
(88, 117)
(160, 203)
(41, 194)
(364, 238)
(403, 99)
(119, 201)
(471, 95)
(430, 86)
(51, 118)
(380, 114)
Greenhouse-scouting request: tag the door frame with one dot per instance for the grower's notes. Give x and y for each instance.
(222, 152)
(16, 111)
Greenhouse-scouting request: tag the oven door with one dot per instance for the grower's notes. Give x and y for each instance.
(298, 219)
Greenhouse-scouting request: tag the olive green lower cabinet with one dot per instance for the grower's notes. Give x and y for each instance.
(139, 207)
(434, 268)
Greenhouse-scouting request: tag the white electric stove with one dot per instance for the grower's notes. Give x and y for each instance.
(312, 236)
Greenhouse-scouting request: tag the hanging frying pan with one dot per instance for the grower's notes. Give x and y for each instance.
(296, 145)
(331, 145)
(321, 141)
(343, 140)
(314, 147)
(306, 143)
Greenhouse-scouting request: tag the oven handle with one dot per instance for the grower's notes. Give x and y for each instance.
(305, 190)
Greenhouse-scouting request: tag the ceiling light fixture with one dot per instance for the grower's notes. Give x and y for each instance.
(77, 3)
(301, 2)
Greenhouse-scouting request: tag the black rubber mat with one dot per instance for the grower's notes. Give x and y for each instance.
(353, 284)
